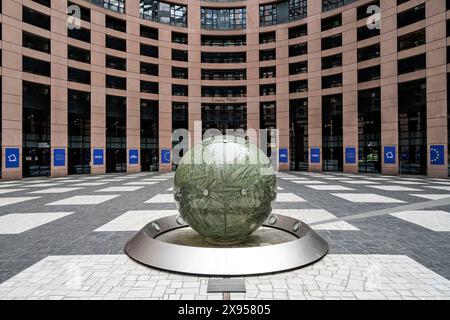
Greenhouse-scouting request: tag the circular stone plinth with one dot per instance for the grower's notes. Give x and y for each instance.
(264, 236)
(147, 248)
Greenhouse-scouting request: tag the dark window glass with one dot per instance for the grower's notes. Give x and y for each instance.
(240, 91)
(267, 72)
(298, 67)
(179, 55)
(36, 129)
(149, 32)
(332, 81)
(328, 5)
(369, 131)
(116, 134)
(179, 37)
(180, 73)
(298, 86)
(80, 34)
(116, 24)
(164, 12)
(79, 131)
(149, 50)
(411, 40)
(332, 133)
(366, 33)
(238, 74)
(224, 57)
(78, 75)
(298, 31)
(149, 135)
(116, 43)
(179, 90)
(412, 64)
(333, 41)
(78, 54)
(368, 53)
(35, 42)
(298, 49)
(412, 127)
(116, 63)
(267, 37)
(85, 12)
(411, 16)
(332, 61)
(369, 74)
(35, 18)
(149, 87)
(36, 66)
(224, 41)
(331, 22)
(269, 54)
(114, 82)
(267, 89)
(298, 134)
(149, 68)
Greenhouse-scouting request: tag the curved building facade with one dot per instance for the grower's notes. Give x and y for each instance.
(347, 89)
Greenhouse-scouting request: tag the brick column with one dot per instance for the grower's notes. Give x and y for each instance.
(314, 82)
(436, 84)
(59, 112)
(98, 91)
(350, 87)
(389, 91)
(133, 85)
(12, 85)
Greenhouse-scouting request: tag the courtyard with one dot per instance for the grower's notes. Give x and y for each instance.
(63, 238)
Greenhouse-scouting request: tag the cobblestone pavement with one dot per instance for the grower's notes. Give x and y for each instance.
(63, 238)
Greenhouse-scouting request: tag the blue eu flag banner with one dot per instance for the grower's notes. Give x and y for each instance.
(437, 155)
(165, 156)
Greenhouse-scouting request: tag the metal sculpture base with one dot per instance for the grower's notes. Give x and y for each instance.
(145, 248)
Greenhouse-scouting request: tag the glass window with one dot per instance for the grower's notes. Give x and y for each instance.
(223, 19)
(163, 12)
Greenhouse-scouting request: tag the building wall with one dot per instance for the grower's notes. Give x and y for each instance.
(435, 74)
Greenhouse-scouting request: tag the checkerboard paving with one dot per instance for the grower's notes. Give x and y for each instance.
(63, 238)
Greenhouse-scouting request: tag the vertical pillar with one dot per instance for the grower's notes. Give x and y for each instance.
(436, 88)
(12, 87)
(314, 82)
(133, 89)
(98, 91)
(350, 86)
(165, 95)
(389, 90)
(253, 100)
(194, 65)
(58, 107)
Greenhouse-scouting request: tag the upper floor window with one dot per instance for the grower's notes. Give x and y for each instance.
(282, 12)
(116, 24)
(35, 42)
(328, 5)
(163, 12)
(223, 19)
(411, 16)
(113, 5)
(331, 22)
(224, 41)
(35, 18)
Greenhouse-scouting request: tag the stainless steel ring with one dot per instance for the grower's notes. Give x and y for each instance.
(145, 248)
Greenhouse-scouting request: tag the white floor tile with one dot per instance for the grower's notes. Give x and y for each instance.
(42, 185)
(329, 187)
(377, 179)
(155, 179)
(9, 185)
(444, 188)
(360, 182)
(394, 188)
(120, 189)
(289, 197)
(407, 182)
(8, 201)
(431, 196)
(16, 223)
(135, 220)
(308, 182)
(3, 191)
(89, 184)
(162, 198)
(83, 200)
(432, 220)
(309, 216)
(140, 183)
(56, 190)
(366, 198)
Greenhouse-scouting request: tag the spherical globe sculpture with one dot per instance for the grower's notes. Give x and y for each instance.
(225, 188)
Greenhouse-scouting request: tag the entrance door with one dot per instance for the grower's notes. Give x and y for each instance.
(223, 117)
(36, 162)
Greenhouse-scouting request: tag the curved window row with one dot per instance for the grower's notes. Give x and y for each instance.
(223, 19)
(328, 5)
(113, 5)
(282, 12)
(163, 12)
